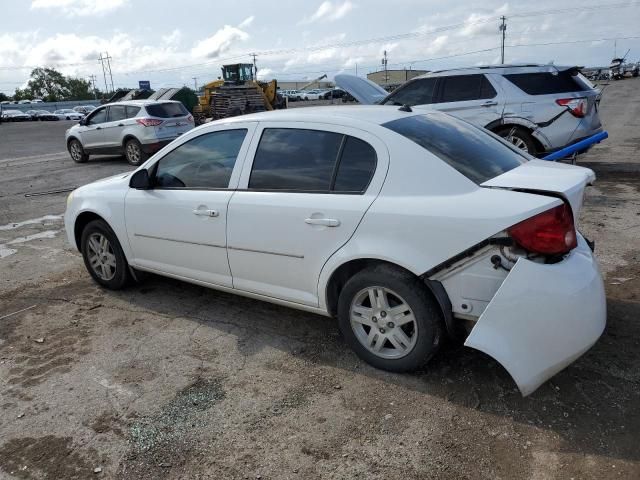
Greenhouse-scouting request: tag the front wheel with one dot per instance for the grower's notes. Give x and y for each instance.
(103, 256)
(76, 151)
(389, 319)
(519, 137)
(133, 152)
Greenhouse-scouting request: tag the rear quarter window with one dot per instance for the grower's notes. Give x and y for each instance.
(470, 150)
(166, 110)
(546, 83)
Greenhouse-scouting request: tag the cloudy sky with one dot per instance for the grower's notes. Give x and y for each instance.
(169, 42)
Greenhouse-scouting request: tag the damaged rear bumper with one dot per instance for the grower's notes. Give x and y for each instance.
(543, 317)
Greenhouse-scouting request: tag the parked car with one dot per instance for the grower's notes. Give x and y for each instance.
(84, 109)
(15, 116)
(311, 94)
(406, 226)
(68, 114)
(334, 93)
(292, 95)
(134, 128)
(32, 114)
(539, 108)
(24, 102)
(37, 100)
(45, 115)
(5, 102)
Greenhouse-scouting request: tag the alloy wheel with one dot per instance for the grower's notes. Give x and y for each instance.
(76, 151)
(518, 142)
(133, 152)
(101, 256)
(383, 322)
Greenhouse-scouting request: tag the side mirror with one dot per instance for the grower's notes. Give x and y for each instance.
(140, 180)
(83, 121)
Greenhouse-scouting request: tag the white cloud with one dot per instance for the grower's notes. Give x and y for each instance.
(329, 11)
(219, 42)
(173, 38)
(247, 22)
(79, 7)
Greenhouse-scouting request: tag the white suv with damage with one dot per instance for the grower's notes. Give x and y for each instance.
(408, 227)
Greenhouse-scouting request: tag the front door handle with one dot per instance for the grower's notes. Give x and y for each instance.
(206, 213)
(326, 222)
(490, 103)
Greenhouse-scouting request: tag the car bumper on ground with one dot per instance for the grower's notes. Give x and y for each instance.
(543, 317)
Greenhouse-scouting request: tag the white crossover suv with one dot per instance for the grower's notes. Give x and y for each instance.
(135, 128)
(408, 227)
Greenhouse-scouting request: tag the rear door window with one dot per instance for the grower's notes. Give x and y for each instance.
(546, 83)
(469, 149)
(295, 160)
(461, 88)
(166, 110)
(356, 166)
(132, 111)
(117, 112)
(417, 92)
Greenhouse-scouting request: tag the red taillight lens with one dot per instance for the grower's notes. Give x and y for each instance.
(550, 233)
(577, 106)
(149, 122)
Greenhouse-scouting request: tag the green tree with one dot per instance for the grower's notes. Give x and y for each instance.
(78, 89)
(3, 97)
(22, 94)
(48, 84)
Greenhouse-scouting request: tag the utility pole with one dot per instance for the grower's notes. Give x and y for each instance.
(384, 64)
(195, 84)
(92, 80)
(255, 67)
(104, 73)
(106, 69)
(503, 29)
(108, 58)
(356, 69)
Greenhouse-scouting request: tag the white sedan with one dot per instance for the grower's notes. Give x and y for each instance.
(407, 227)
(311, 94)
(68, 114)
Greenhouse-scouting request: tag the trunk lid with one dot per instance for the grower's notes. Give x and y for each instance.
(364, 91)
(542, 176)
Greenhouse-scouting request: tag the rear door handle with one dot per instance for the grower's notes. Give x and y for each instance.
(490, 103)
(206, 213)
(326, 222)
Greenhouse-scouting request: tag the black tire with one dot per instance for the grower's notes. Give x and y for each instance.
(76, 151)
(520, 137)
(121, 277)
(133, 152)
(428, 318)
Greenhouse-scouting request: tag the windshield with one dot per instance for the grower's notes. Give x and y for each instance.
(472, 151)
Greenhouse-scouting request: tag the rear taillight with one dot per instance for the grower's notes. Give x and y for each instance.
(149, 122)
(550, 233)
(577, 106)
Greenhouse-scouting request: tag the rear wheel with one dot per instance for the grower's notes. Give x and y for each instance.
(103, 256)
(389, 319)
(133, 152)
(519, 137)
(76, 151)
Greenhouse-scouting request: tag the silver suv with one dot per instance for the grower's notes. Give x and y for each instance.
(539, 108)
(136, 128)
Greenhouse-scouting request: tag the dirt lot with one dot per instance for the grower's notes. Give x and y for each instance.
(169, 380)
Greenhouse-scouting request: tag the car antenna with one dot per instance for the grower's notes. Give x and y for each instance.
(405, 108)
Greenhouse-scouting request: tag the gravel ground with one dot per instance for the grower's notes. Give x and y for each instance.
(170, 380)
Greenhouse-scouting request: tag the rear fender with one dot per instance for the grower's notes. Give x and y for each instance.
(531, 127)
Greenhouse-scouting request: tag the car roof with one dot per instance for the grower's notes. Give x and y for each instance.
(500, 69)
(337, 115)
(141, 103)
